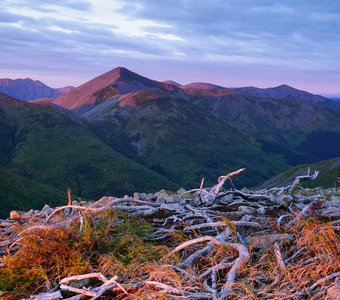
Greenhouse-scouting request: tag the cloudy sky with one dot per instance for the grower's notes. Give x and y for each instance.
(228, 42)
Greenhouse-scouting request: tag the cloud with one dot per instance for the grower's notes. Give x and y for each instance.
(49, 5)
(268, 30)
(247, 37)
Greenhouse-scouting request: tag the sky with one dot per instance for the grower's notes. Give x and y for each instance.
(232, 43)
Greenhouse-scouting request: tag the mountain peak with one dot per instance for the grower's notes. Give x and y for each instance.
(121, 73)
(172, 83)
(121, 70)
(118, 81)
(203, 86)
(205, 89)
(27, 89)
(285, 86)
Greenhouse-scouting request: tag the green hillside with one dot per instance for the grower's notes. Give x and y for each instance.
(23, 194)
(54, 148)
(181, 140)
(301, 131)
(329, 173)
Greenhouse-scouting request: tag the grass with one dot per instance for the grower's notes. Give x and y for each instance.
(317, 244)
(111, 243)
(108, 243)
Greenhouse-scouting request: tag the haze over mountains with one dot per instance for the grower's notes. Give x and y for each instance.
(122, 132)
(28, 89)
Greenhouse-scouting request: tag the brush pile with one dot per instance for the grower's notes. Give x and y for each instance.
(206, 243)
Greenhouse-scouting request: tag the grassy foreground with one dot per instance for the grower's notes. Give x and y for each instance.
(167, 247)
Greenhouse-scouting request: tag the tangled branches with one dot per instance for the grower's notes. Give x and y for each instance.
(205, 243)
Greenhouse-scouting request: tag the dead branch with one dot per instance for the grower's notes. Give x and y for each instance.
(241, 260)
(85, 292)
(99, 276)
(306, 177)
(195, 241)
(206, 269)
(209, 197)
(85, 208)
(223, 224)
(322, 281)
(47, 296)
(278, 257)
(164, 287)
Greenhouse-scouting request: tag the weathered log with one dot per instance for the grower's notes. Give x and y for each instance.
(241, 260)
(46, 296)
(85, 292)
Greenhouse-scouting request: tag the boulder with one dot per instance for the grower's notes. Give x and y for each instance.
(15, 215)
(246, 210)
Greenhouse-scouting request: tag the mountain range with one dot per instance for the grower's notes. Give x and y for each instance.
(122, 132)
(28, 89)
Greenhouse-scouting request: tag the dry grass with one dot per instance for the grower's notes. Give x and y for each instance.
(112, 244)
(319, 256)
(108, 243)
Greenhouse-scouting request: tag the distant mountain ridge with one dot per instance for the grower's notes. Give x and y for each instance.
(28, 89)
(138, 116)
(120, 124)
(120, 81)
(280, 92)
(287, 92)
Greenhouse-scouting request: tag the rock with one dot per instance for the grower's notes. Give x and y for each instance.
(29, 213)
(15, 215)
(180, 192)
(335, 201)
(283, 200)
(171, 207)
(227, 199)
(47, 209)
(160, 193)
(247, 218)
(245, 210)
(144, 213)
(261, 210)
(164, 196)
(144, 196)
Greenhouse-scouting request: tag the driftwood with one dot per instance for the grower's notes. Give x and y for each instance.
(236, 224)
(297, 180)
(94, 293)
